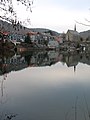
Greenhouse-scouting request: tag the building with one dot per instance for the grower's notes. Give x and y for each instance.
(73, 35)
(52, 43)
(16, 37)
(32, 36)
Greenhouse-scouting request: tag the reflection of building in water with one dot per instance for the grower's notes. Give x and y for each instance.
(17, 62)
(46, 58)
(53, 56)
(42, 58)
(38, 58)
(12, 64)
(85, 58)
(72, 61)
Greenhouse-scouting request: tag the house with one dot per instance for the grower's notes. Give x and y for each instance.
(4, 36)
(52, 43)
(88, 39)
(59, 39)
(16, 37)
(32, 36)
(42, 40)
(72, 35)
(38, 39)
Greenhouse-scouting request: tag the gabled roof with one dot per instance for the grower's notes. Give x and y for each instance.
(73, 32)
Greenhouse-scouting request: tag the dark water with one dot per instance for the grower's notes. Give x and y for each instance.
(45, 86)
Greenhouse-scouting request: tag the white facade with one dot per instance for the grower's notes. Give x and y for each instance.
(72, 35)
(53, 44)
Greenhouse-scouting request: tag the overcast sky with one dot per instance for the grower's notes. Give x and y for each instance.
(59, 15)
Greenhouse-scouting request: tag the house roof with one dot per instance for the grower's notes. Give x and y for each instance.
(32, 33)
(73, 32)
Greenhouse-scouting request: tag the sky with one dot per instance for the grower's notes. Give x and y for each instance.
(58, 15)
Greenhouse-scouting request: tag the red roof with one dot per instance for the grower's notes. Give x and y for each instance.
(32, 33)
(4, 33)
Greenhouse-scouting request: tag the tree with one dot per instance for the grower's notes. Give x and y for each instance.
(85, 23)
(9, 13)
(28, 39)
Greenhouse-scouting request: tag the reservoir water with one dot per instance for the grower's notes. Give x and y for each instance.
(46, 85)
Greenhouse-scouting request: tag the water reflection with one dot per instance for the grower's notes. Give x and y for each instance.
(15, 62)
(47, 89)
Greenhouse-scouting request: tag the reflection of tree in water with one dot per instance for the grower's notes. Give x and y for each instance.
(38, 57)
(3, 96)
(3, 69)
(3, 65)
(28, 58)
(4, 56)
(41, 57)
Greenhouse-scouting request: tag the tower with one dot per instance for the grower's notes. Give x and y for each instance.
(75, 27)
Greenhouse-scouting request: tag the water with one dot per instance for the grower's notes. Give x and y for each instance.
(45, 86)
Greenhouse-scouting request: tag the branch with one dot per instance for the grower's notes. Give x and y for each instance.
(3, 9)
(26, 3)
(87, 20)
(7, 19)
(2, 3)
(9, 13)
(82, 23)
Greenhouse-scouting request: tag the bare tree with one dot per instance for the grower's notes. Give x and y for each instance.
(9, 13)
(85, 24)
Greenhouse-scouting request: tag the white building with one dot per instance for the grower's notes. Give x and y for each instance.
(73, 35)
(53, 43)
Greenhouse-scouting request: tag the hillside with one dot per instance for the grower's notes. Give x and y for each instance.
(23, 30)
(85, 34)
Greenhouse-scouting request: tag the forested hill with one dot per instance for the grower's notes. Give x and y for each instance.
(85, 34)
(23, 30)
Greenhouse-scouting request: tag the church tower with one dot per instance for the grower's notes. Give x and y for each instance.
(75, 27)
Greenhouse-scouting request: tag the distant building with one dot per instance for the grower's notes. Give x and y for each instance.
(59, 39)
(73, 35)
(88, 39)
(32, 36)
(4, 36)
(17, 37)
(53, 43)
